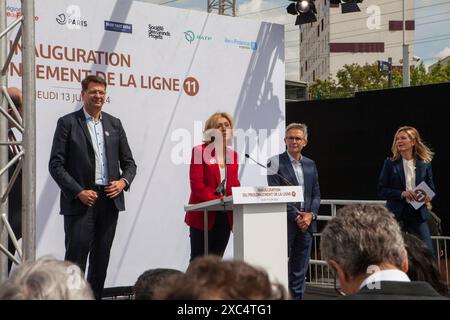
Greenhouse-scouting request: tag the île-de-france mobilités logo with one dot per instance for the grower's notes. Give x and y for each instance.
(190, 37)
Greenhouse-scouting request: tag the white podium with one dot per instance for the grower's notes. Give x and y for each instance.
(260, 225)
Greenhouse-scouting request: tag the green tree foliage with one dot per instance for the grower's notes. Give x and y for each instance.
(352, 78)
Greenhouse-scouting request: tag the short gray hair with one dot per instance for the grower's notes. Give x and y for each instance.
(362, 236)
(46, 279)
(297, 126)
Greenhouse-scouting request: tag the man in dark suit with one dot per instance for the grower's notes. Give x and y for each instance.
(92, 163)
(364, 247)
(292, 168)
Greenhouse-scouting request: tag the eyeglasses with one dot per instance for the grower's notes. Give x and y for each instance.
(296, 139)
(339, 291)
(336, 287)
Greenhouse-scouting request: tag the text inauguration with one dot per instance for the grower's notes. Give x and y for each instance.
(57, 52)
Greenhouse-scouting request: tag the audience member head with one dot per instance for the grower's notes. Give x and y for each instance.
(46, 279)
(144, 288)
(360, 240)
(422, 265)
(211, 278)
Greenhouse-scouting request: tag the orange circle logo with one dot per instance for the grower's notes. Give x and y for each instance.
(191, 86)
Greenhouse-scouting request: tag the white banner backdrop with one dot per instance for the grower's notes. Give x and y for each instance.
(168, 70)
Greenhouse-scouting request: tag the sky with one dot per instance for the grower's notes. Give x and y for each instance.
(432, 35)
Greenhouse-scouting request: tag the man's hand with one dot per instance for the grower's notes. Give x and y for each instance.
(88, 197)
(114, 188)
(304, 220)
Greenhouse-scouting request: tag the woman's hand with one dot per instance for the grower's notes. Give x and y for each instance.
(409, 194)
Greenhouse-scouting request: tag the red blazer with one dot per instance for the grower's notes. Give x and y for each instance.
(205, 178)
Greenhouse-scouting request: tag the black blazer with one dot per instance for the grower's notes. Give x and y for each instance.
(391, 184)
(397, 290)
(72, 159)
(15, 200)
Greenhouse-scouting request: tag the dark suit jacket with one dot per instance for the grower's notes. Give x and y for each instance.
(391, 184)
(72, 159)
(15, 200)
(396, 290)
(204, 177)
(282, 165)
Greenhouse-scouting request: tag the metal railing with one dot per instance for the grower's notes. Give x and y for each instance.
(319, 273)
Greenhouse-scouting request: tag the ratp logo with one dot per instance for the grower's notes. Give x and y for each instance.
(189, 36)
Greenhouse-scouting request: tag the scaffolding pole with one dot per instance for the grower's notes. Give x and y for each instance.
(223, 7)
(27, 126)
(3, 148)
(29, 136)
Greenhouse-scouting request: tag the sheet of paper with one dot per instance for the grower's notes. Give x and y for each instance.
(422, 190)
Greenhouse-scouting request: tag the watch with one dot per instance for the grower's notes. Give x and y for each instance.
(314, 216)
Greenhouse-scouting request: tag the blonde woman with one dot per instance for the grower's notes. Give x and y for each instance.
(409, 165)
(213, 172)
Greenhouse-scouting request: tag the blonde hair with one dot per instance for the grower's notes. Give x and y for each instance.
(46, 279)
(420, 150)
(212, 122)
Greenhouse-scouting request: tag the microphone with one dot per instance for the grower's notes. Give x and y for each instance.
(270, 169)
(220, 188)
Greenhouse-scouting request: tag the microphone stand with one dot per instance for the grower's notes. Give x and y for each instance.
(286, 181)
(221, 188)
(225, 162)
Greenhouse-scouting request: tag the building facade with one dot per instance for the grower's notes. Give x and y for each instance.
(335, 39)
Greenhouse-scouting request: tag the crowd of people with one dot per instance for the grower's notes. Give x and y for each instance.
(92, 163)
(363, 246)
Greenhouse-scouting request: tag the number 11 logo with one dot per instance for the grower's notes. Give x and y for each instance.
(191, 86)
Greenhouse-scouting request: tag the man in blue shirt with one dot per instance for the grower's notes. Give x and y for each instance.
(92, 163)
(292, 168)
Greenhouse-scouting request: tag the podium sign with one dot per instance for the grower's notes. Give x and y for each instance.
(247, 195)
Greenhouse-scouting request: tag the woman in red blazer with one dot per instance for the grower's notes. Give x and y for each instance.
(207, 174)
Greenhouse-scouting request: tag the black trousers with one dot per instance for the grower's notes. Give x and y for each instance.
(412, 222)
(218, 238)
(92, 234)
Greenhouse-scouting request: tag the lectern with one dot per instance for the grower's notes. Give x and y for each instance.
(260, 225)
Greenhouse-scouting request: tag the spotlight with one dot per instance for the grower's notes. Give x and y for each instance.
(305, 11)
(348, 6)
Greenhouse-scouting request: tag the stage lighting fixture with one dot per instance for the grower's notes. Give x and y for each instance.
(348, 6)
(305, 11)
